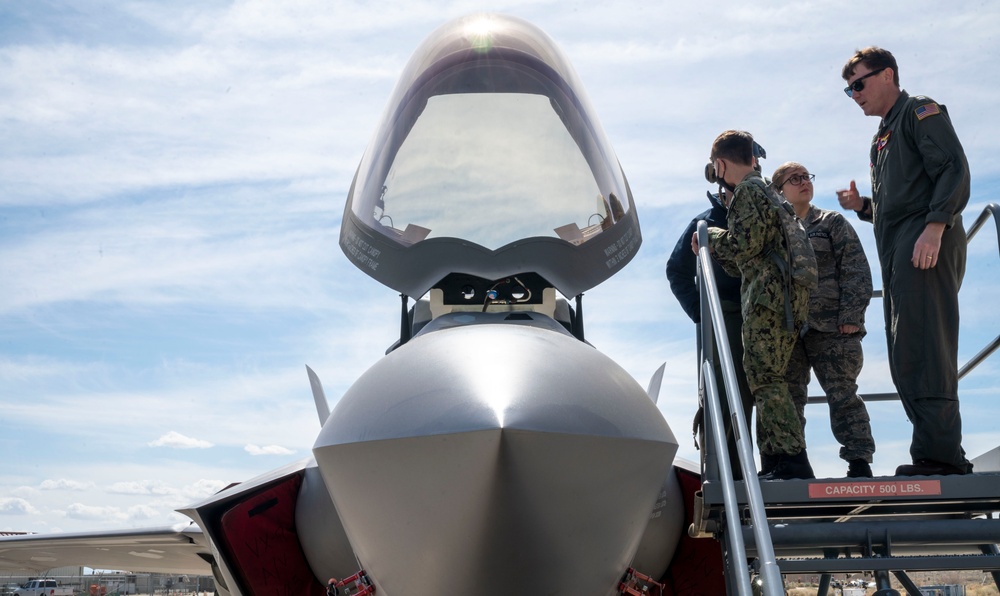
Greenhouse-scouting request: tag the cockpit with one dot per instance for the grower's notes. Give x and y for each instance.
(491, 167)
(488, 161)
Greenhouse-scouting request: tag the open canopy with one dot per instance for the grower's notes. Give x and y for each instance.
(489, 161)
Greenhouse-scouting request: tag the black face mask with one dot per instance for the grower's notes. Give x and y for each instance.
(713, 177)
(722, 182)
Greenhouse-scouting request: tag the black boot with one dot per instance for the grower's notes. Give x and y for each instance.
(767, 463)
(929, 467)
(859, 468)
(791, 467)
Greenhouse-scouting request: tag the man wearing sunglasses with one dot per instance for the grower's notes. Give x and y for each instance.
(920, 184)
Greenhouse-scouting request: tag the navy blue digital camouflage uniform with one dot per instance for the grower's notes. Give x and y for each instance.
(745, 248)
(841, 297)
(682, 271)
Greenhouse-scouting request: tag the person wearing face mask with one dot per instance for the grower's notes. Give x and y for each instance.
(920, 185)
(745, 248)
(682, 271)
(832, 345)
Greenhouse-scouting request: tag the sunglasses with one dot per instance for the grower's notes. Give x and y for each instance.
(797, 179)
(859, 84)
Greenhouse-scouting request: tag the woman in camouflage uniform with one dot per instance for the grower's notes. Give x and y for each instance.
(832, 344)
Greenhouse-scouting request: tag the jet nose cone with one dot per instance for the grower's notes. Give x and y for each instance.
(492, 470)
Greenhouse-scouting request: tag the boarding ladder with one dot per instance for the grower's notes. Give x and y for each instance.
(883, 526)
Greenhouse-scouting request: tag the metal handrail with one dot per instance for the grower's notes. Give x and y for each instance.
(738, 550)
(993, 209)
(990, 209)
(713, 328)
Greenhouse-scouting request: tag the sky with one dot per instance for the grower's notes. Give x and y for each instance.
(173, 174)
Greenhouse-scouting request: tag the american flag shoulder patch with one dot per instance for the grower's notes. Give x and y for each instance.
(928, 109)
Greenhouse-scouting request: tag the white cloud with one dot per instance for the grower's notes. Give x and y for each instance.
(16, 507)
(141, 487)
(141, 513)
(203, 488)
(24, 491)
(14, 368)
(268, 450)
(64, 484)
(176, 440)
(80, 511)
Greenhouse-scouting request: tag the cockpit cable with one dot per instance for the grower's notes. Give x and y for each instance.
(514, 296)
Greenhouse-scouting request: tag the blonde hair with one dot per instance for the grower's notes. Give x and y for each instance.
(779, 175)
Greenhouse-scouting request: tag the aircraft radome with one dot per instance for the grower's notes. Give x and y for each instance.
(492, 450)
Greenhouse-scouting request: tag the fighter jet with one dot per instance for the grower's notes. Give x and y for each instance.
(493, 450)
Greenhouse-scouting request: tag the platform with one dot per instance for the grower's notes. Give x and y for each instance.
(843, 499)
(890, 524)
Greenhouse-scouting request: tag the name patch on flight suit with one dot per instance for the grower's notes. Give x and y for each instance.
(928, 109)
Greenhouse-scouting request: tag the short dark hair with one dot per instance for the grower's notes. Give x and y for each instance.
(734, 145)
(874, 58)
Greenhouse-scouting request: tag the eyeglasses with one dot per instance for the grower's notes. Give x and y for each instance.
(859, 85)
(797, 179)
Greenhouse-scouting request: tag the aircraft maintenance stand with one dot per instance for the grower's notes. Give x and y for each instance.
(882, 525)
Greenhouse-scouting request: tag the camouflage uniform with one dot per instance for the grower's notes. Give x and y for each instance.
(754, 231)
(840, 298)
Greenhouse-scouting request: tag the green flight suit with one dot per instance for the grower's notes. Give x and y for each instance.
(919, 175)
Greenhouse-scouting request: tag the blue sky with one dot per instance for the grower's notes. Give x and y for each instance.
(172, 177)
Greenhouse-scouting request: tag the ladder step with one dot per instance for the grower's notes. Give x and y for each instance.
(815, 538)
(862, 564)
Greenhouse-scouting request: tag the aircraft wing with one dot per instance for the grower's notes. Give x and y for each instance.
(174, 550)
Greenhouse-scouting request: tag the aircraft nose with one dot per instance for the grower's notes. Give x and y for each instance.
(457, 469)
